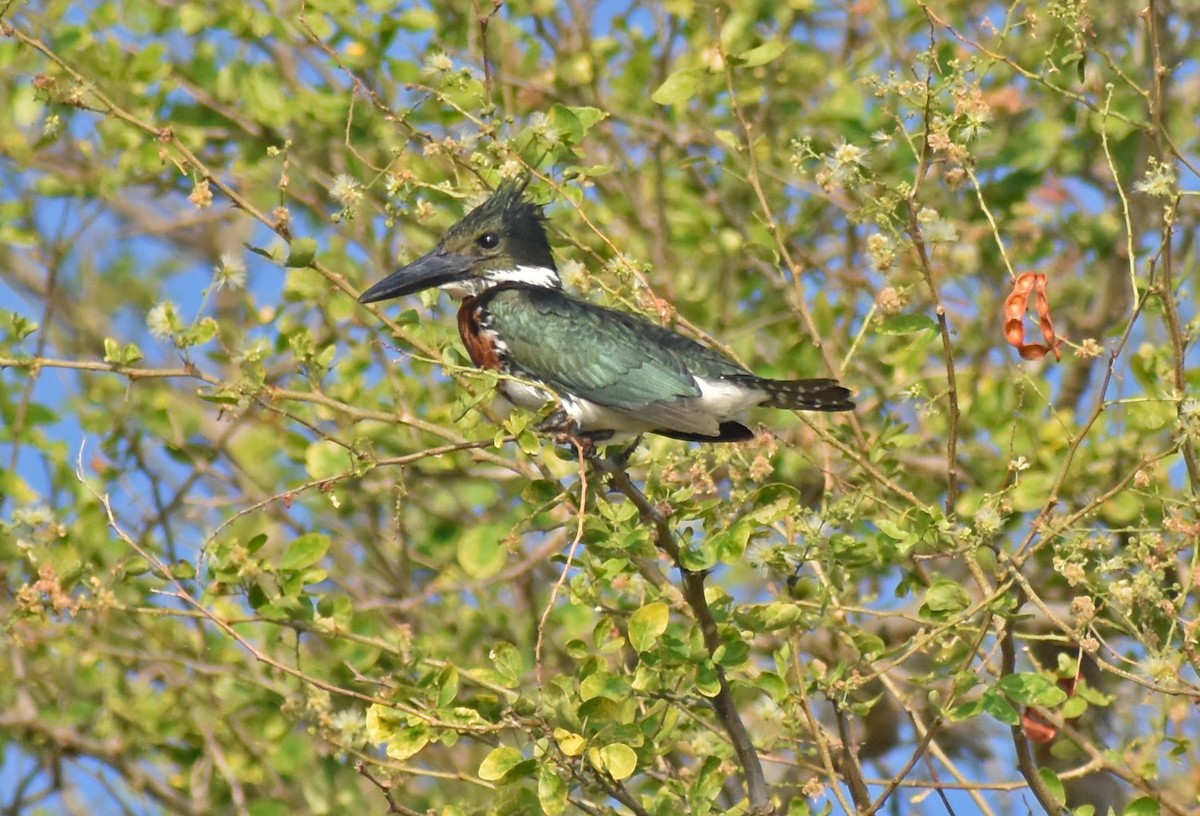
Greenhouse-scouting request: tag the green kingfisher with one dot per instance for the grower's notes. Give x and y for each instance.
(612, 375)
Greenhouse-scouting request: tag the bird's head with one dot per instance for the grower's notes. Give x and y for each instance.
(503, 240)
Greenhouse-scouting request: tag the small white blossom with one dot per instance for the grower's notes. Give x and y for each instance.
(346, 190)
(846, 153)
(351, 727)
(230, 273)
(934, 228)
(437, 63)
(540, 124)
(1122, 593)
(882, 250)
(760, 553)
(1159, 180)
(574, 273)
(33, 515)
(846, 163)
(163, 320)
(987, 521)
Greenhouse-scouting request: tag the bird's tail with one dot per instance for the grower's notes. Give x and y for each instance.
(801, 395)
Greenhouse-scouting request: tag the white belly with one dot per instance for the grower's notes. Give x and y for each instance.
(718, 401)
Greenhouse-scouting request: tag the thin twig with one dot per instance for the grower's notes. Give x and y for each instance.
(918, 240)
(1130, 250)
(562, 577)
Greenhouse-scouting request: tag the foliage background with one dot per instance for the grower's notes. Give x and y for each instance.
(267, 551)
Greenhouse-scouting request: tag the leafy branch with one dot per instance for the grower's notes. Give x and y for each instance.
(693, 592)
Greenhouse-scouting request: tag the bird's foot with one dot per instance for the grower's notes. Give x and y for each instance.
(557, 424)
(578, 446)
(565, 431)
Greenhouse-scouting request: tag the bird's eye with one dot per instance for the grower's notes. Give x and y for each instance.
(489, 240)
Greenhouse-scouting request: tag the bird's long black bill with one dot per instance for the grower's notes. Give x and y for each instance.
(435, 269)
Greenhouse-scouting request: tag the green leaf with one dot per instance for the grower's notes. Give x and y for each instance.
(729, 139)
(305, 551)
(779, 615)
(707, 682)
(391, 728)
(945, 597)
(1074, 707)
(266, 253)
(112, 351)
(767, 52)
(1093, 696)
(1122, 509)
(136, 565)
(22, 326)
(1032, 492)
(604, 684)
(498, 762)
(382, 723)
(480, 553)
(965, 711)
(894, 531)
(730, 545)
(700, 555)
(574, 122)
(325, 459)
(679, 87)
(995, 704)
(551, 791)
(588, 116)
(217, 399)
(417, 19)
(1150, 416)
(1054, 784)
(508, 664)
(619, 760)
(257, 597)
(908, 324)
(301, 253)
(646, 624)
(773, 685)
(408, 742)
(199, 333)
(1143, 806)
(447, 686)
(732, 653)
(1032, 689)
(569, 742)
(869, 644)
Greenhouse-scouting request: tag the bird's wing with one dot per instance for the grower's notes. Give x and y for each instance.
(608, 357)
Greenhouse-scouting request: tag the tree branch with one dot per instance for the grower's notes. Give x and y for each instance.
(693, 593)
(1025, 761)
